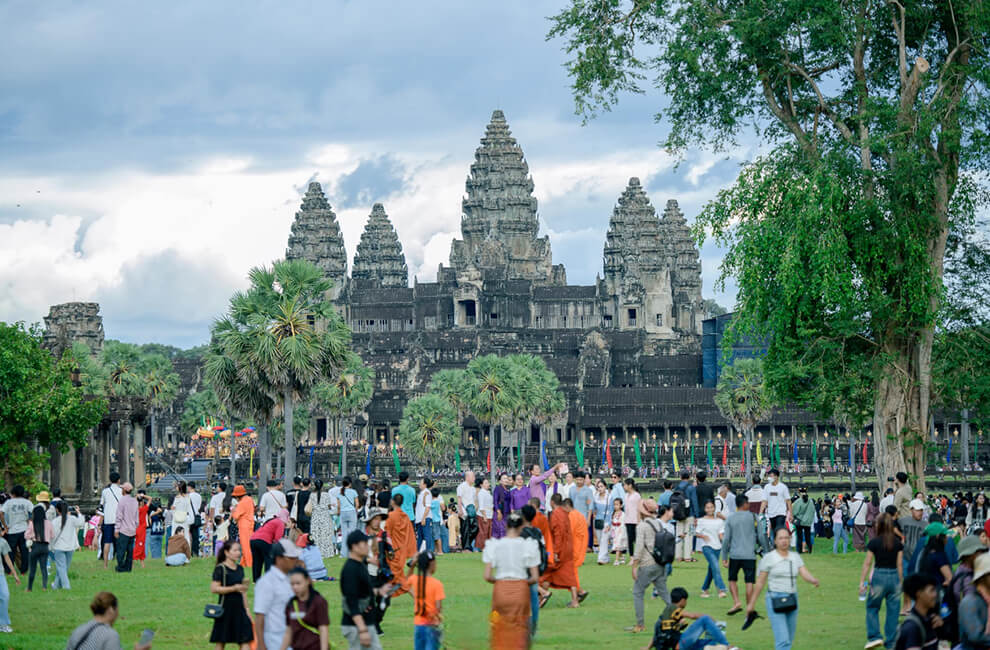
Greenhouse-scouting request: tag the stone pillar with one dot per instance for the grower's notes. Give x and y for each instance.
(103, 462)
(124, 450)
(139, 471)
(87, 468)
(67, 472)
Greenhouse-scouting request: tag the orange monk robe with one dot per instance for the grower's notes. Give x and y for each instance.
(579, 534)
(540, 521)
(564, 575)
(402, 537)
(243, 516)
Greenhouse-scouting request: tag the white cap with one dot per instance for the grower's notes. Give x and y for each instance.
(858, 496)
(286, 548)
(917, 504)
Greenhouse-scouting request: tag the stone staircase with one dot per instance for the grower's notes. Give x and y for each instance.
(198, 472)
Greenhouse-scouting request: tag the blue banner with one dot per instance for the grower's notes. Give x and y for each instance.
(543, 455)
(311, 462)
(795, 452)
(948, 453)
(367, 461)
(851, 453)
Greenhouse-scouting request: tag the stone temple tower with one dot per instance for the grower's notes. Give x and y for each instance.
(499, 223)
(685, 270)
(316, 237)
(73, 322)
(379, 261)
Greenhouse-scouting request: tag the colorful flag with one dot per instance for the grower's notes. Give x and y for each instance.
(543, 455)
(622, 456)
(656, 458)
(795, 452)
(692, 453)
(367, 460)
(948, 452)
(603, 458)
(708, 453)
(851, 445)
(579, 452)
(311, 461)
(864, 451)
(759, 453)
(831, 453)
(725, 453)
(639, 459)
(251, 463)
(742, 455)
(488, 461)
(395, 458)
(814, 454)
(608, 452)
(677, 467)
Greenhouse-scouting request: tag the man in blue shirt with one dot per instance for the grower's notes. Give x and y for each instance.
(408, 495)
(664, 498)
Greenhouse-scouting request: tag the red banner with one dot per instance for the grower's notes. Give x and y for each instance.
(742, 466)
(608, 453)
(488, 461)
(725, 453)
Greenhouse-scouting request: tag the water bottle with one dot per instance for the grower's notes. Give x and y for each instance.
(863, 590)
(944, 611)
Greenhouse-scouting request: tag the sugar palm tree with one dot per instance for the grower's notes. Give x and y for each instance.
(428, 430)
(743, 399)
(161, 384)
(346, 395)
(292, 337)
(491, 392)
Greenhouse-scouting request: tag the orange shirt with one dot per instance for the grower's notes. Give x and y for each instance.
(427, 608)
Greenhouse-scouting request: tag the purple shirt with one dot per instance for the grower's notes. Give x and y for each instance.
(127, 516)
(519, 497)
(503, 501)
(536, 487)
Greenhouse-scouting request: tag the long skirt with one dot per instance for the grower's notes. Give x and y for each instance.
(510, 615)
(498, 528)
(484, 532)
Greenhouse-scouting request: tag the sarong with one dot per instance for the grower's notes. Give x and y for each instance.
(484, 532)
(510, 615)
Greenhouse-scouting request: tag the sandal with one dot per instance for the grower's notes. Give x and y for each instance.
(583, 595)
(545, 599)
(735, 610)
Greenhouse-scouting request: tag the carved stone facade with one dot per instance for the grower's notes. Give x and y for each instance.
(639, 326)
(73, 322)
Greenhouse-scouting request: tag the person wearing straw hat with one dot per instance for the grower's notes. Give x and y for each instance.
(974, 623)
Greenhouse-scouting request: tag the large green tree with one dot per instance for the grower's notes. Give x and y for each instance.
(875, 113)
(283, 336)
(161, 386)
(346, 396)
(742, 397)
(428, 430)
(39, 405)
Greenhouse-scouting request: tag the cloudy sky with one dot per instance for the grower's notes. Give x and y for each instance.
(150, 154)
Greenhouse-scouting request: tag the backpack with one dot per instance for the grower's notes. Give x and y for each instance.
(663, 546)
(678, 503)
(532, 532)
(665, 637)
(912, 618)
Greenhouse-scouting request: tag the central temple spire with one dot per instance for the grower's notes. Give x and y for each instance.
(499, 222)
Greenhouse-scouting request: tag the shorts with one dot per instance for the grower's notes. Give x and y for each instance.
(107, 534)
(748, 568)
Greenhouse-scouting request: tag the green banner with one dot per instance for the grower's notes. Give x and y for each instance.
(639, 459)
(579, 452)
(656, 457)
(814, 454)
(708, 453)
(692, 454)
(831, 453)
(395, 459)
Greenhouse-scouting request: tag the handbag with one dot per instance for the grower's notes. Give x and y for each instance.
(787, 602)
(599, 524)
(216, 611)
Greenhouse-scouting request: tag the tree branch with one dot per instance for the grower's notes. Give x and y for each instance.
(839, 124)
(786, 118)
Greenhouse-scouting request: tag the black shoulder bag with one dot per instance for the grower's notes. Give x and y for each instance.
(216, 611)
(788, 602)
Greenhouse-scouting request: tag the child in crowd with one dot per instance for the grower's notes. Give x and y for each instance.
(428, 598)
(619, 542)
(312, 558)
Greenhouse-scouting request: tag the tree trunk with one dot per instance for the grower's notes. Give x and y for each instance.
(343, 447)
(154, 430)
(749, 454)
(289, 438)
(233, 467)
(139, 457)
(964, 436)
(901, 417)
(265, 461)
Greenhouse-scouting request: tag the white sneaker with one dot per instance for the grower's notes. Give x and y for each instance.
(6, 629)
(876, 643)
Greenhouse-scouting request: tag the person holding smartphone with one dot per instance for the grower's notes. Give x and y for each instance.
(98, 632)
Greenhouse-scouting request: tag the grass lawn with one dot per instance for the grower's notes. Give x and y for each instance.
(170, 601)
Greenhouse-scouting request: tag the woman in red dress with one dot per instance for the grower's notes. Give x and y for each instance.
(142, 530)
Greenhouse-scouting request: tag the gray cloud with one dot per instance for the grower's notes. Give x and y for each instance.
(374, 180)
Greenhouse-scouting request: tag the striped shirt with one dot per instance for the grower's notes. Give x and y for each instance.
(94, 636)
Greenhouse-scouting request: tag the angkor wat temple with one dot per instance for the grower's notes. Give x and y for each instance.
(627, 349)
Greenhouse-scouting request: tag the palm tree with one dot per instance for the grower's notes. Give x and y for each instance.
(428, 430)
(743, 399)
(288, 337)
(161, 384)
(491, 393)
(347, 395)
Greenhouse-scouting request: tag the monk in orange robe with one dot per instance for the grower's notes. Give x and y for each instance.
(564, 573)
(243, 517)
(402, 538)
(579, 535)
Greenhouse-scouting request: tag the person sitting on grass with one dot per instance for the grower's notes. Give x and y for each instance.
(312, 558)
(670, 633)
(177, 551)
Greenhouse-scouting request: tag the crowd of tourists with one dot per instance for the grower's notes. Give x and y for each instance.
(925, 558)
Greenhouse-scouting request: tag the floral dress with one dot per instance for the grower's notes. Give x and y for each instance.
(619, 542)
(321, 525)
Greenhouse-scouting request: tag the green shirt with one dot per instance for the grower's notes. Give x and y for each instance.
(804, 512)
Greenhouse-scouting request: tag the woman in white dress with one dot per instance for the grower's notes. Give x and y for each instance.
(182, 514)
(321, 520)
